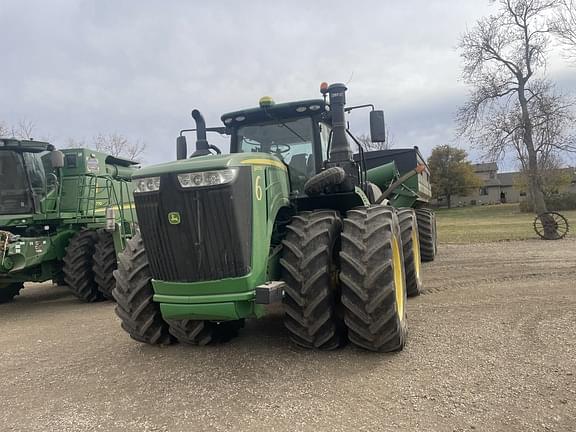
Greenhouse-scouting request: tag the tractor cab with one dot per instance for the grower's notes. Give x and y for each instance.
(25, 175)
(297, 133)
(306, 136)
(309, 137)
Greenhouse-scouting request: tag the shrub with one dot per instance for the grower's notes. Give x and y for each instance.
(558, 202)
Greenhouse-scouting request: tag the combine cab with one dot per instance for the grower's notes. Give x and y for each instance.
(288, 217)
(63, 217)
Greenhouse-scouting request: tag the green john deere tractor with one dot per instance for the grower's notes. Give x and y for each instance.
(290, 216)
(63, 217)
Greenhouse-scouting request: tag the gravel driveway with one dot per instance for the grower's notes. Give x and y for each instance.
(492, 346)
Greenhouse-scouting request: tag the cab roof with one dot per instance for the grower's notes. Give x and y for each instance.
(25, 145)
(303, 108)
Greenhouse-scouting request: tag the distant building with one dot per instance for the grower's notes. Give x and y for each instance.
(497, 188)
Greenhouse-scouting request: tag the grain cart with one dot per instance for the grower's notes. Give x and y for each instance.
(63, 216)
(414, 192)
(288, 217)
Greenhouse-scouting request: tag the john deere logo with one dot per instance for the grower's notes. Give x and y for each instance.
(174, 218)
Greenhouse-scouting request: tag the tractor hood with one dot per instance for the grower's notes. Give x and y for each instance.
(211, 162)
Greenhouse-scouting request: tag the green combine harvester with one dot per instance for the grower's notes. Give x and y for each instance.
(290, 216)
(64, 215)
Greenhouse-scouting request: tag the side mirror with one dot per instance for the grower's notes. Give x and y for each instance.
(181, 148)
(377, 126)
(57, 159)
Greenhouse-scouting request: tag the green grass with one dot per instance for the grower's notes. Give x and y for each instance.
(490, 223)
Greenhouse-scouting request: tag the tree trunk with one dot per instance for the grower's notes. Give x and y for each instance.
(449, 200)
(534, 182)
(535, 186)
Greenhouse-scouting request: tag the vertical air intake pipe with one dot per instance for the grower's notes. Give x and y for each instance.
(202, 147)
(340, 150)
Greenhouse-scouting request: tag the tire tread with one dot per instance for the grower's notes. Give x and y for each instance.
(140, 315)
(427, 232)
(78, 266)
(310, 300)
(368, 286)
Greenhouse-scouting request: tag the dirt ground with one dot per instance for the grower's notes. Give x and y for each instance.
(492, 346)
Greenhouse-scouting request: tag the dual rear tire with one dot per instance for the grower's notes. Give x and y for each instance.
(89, 264)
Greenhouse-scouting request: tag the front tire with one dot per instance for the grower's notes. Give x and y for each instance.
(310, 273)
(372, 277)
(140, 315)
(78, 262)
(194, 332)
(411, 251)
(8, 292)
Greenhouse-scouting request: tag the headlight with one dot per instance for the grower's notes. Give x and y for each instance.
(207, 178)
(149, 184)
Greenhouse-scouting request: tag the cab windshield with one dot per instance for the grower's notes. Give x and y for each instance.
(289, 140)
(22, 177)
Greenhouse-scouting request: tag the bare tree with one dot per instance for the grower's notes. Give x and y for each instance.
(75, 143)
(369, 145)
(564, 26)
(552, 127)
(23, 130)
(119, 146)
(501, 56)
(4, 130)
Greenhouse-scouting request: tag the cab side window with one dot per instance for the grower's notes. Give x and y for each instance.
(50, 173)
(35, 172)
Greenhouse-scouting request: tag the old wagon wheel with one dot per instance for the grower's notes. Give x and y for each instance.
(551, 226)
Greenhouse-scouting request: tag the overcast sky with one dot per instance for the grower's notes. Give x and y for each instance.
(77, 68)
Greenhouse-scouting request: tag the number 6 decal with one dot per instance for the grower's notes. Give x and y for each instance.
(258, 188)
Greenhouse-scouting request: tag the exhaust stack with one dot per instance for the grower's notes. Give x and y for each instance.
(202, 147)
(340, 150)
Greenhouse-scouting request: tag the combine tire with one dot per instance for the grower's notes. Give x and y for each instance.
(411, 251)
(104, 264)
(204, 332)
(8, 292)
(427, 232)
(372, 278)
(310, 273)
(140, 315)
(78, 262)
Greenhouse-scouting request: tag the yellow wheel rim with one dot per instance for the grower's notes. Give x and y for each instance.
(416, 249)
(399, 287)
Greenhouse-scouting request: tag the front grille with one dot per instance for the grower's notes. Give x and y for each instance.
(214, 237)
